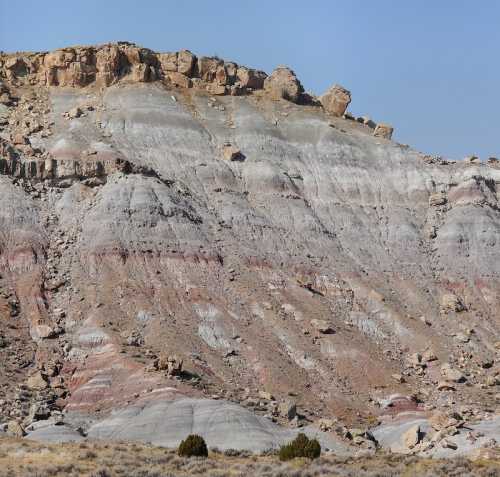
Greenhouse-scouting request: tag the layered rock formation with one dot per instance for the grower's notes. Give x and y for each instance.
(169, 204)
(108, 64)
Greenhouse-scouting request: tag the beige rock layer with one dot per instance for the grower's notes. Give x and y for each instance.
(107, 64)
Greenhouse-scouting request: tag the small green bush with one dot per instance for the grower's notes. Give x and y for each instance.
(301, 446)
(193, 445)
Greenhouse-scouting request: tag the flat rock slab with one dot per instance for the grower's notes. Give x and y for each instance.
(55, 433)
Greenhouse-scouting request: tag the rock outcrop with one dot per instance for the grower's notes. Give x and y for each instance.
(170, 241)
(383, 130)
(336, 100)
(283, 84)
(104, 65)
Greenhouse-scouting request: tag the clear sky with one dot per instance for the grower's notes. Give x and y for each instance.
(430, 67)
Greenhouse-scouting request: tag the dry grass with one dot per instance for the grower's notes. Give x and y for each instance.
(26, 458)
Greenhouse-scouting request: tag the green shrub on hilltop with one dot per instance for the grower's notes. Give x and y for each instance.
(301, 446)
(192, 446)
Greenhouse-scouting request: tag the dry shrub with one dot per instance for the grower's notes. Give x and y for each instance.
(193, 446)
(301, 446)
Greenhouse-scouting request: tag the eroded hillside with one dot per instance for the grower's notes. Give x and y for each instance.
(190, 239)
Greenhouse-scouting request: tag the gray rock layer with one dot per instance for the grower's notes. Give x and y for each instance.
(233, 260)
(222, 424)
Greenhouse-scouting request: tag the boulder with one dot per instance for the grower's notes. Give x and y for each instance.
(178, 79)
(185, 62)
(383, 130)
(399, 378)
(208, 67)
(75, 112)
(367, 121)
(445, 386)
(322, 326)
(230, 152)
(444, 420)
(141, 73)
(221, 75)
(168, 61)
(326, 425)
(447, 444)
(250, 78)
(428, 356)
(438, 198)
(37, 382)
(412, 437)
(15, 429)
(283, 83)
(38, 411)
(336, 100)
(451, 302)
(266, 395)
(415, 360)
(288, 409)
(172, 364)
(451, 374)
(216, 89)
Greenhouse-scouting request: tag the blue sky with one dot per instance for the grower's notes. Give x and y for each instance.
(431, 68)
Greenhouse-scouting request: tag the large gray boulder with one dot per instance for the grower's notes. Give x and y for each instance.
(222, 424)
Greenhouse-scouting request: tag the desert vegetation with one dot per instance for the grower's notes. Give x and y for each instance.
(27, 458)
(193, 446)
(301, 446)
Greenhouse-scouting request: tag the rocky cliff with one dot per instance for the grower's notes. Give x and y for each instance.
(182, 236)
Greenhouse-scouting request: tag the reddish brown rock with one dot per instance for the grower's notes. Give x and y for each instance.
(221, 76)
(208, 67)
(250, 78)
(383, 130)
(185, 62)
(108, 64)
(216, 89)
(168, 61)
(336, 100)
(70, 67)
(178, 79)
(283, 84)
(37, 382)
(141, 73)
(172, 364)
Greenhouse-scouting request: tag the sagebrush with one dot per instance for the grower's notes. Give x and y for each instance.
(193, 446)
(301, 446)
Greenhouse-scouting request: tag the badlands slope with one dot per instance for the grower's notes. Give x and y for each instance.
(164, 208)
